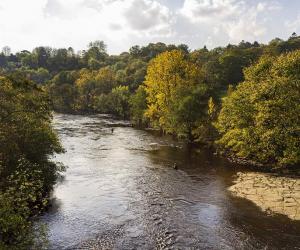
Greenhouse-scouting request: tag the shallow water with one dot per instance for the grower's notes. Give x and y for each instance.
(120, 191)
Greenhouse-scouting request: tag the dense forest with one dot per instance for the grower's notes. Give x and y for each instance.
(243, 99)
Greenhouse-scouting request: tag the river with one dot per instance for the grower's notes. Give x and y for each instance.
(120, 191)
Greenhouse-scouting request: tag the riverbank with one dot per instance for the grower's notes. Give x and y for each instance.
(272, 193)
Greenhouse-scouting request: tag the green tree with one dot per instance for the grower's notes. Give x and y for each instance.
(260, 120)
(27, 175)
(100, 45)
(138, 106)
(119, 99)
(91, 84)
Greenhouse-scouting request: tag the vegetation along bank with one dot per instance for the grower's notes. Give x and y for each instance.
(242, 99)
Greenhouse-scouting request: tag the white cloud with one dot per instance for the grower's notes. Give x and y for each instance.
(144, 15)
(93, 4)
(261, 6)
(123, 23)
(294, 25)
(63, 23)
(235, 19)
(201, 10)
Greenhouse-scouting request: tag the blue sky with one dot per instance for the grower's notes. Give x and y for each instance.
(124, 23)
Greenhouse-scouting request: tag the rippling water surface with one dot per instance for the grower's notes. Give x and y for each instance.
(120, 191)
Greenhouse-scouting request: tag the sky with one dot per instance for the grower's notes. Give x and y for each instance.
(124, 23)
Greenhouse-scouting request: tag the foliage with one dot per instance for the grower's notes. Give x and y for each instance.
(26, 173)
(92, 84)
(22, 198)
(138, 106)
(120, 101)
(181, 95)
(63, 92)
(165, 86)
(176, 99)
(260, 120)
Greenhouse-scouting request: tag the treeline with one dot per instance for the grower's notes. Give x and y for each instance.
(26, 173)
(260, 119)
(257, 120)
(242, 99)
(181, 92)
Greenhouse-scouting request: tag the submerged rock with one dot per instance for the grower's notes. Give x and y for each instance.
(270, 192)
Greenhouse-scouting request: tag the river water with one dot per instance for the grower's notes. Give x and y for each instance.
(120, 191)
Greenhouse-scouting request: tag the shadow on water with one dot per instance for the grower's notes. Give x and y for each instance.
(236, 222)
(121, 191)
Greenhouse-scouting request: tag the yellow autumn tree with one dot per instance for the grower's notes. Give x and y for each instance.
(176, 99)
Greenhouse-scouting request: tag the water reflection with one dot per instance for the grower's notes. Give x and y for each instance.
(120, 192)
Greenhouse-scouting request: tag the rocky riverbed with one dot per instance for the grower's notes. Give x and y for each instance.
(272, 193)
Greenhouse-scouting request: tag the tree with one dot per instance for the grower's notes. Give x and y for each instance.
(105, 80)
(174, 93)
(135, 51)
(42, 55)
(63, 97)
(138, 106)
(100, 45)
(91, 84)
(94, 64)
(29, 60)
(40, 76)
(189, 113)
(184, 48)
(86, 88)
(6, 51)
(119, 99)
(71, 52)
(294, 35)
(27, 175)
(260, 120)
